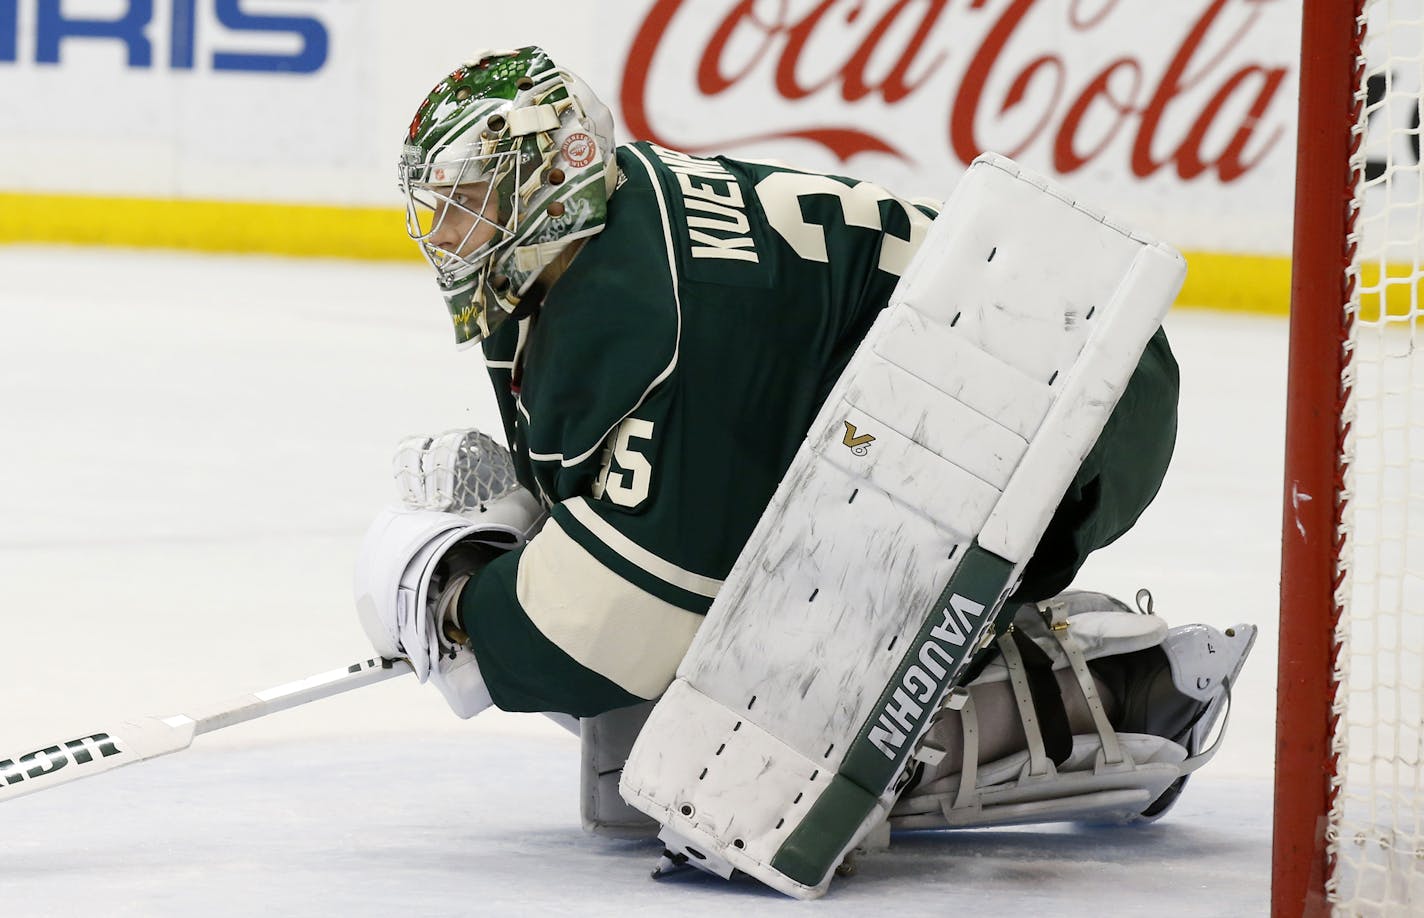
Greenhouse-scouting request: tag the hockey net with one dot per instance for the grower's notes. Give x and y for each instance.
(1349, 824)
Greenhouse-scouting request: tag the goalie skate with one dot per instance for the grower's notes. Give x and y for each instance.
(904, 521)
(1166, 690)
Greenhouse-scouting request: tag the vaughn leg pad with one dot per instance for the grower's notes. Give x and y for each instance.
(905, 520)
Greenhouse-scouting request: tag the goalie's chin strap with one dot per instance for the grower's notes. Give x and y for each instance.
(516, 373)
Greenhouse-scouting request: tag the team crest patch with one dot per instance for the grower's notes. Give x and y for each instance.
(579, 149)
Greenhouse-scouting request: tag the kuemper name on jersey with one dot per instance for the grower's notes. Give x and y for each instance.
(717, 224)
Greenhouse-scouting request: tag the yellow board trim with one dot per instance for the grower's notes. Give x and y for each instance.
(207, 226)
(1261, 284)
(1237, 283)
(1215, 280)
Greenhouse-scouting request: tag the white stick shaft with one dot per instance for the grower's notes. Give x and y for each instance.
(279, 698)
(149, 737)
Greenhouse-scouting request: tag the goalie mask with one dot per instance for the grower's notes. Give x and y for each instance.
(507, 161)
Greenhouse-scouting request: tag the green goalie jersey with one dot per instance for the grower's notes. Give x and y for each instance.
(661, 393)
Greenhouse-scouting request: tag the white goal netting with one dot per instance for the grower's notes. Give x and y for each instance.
(1376, 834)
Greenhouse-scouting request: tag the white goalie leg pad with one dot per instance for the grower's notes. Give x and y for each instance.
(905, 519)
(1106, 775)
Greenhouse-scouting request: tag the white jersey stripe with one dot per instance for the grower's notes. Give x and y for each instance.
(639, 556)
(607, 624)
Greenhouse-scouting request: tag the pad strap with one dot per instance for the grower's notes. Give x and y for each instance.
(1058, 621)
(968, 795)
(1037, 756)
(1047, 699)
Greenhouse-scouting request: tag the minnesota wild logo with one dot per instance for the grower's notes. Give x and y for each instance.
(860, 445)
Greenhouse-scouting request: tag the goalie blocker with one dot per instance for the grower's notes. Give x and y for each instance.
(881, 565)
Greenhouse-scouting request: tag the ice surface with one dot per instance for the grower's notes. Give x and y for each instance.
(191, 448)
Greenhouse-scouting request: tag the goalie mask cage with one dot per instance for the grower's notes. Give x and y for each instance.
(1349, 828)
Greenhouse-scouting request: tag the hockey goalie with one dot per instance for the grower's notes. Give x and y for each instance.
(798, 475)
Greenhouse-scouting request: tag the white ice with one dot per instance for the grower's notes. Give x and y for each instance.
(191, 448)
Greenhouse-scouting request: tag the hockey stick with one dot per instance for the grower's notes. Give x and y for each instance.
(150, 737)
(461, 470)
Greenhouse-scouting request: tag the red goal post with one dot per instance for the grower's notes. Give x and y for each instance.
(1330, 50)
(1349, 828)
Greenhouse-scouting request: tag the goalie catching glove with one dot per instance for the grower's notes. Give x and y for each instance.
(461, 507)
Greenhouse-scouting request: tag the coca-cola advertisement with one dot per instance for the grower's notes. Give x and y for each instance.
(1190, 105)
(1179, 117)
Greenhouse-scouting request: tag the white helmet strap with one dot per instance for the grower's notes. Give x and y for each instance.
(532, 119)
(534, 257)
